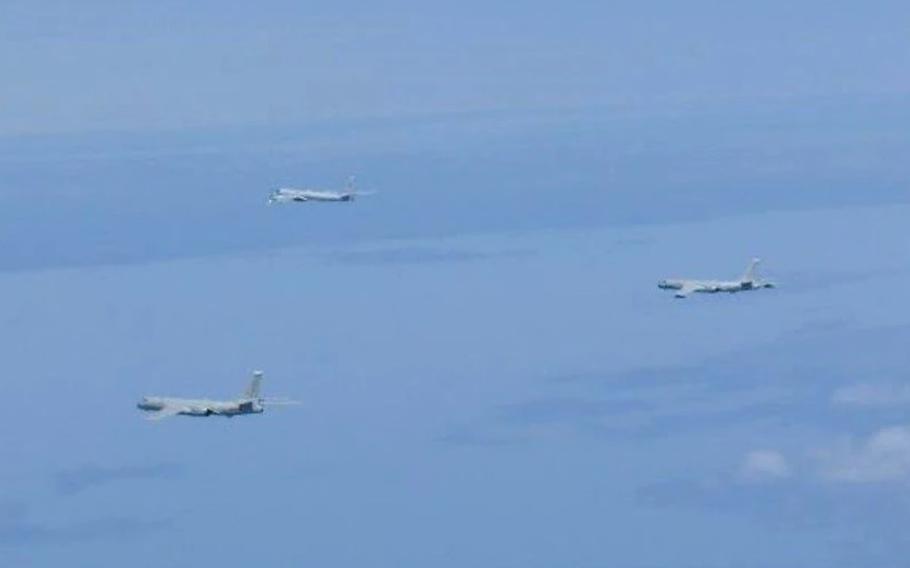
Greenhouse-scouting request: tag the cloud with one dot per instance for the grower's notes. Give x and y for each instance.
(883, 457)
(764, 465)
(789, 503)
(559, 409)
(29, 533)
(75, 481)
(768, 488)
(784, 504)
(867, 394)
(417, 255)
(16, 529)
(773, 385)
(576, 405)
(522, 422)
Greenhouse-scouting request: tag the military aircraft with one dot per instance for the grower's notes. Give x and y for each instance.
(748, 281)
(249, 403)
(288, 195)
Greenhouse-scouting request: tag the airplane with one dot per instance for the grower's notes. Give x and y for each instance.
(249, 403)
(288, 195)
(748, 281)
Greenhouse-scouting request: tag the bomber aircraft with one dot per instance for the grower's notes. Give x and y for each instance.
(249, 403)
(748, 281)
(289, 195)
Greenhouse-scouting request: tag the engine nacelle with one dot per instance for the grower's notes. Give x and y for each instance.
(199, 412)
(249, 407)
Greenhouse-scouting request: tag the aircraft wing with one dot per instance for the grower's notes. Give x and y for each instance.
(166, 412)
(687, 289)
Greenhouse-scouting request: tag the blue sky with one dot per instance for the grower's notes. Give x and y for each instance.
(114, 65)
(489, 375)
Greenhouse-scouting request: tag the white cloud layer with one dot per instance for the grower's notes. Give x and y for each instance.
(885, 456)
(764, 465)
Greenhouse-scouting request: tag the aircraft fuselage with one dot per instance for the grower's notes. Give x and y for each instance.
(286, 195)
(707, 286)
(683, 287)
(193, 407)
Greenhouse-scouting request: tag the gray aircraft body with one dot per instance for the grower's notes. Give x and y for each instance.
(748, 281)
(291, 195)
(249, 403)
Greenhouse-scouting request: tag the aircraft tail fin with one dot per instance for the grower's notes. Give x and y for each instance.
(751, 272)
(252, 391)
(351, 189)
